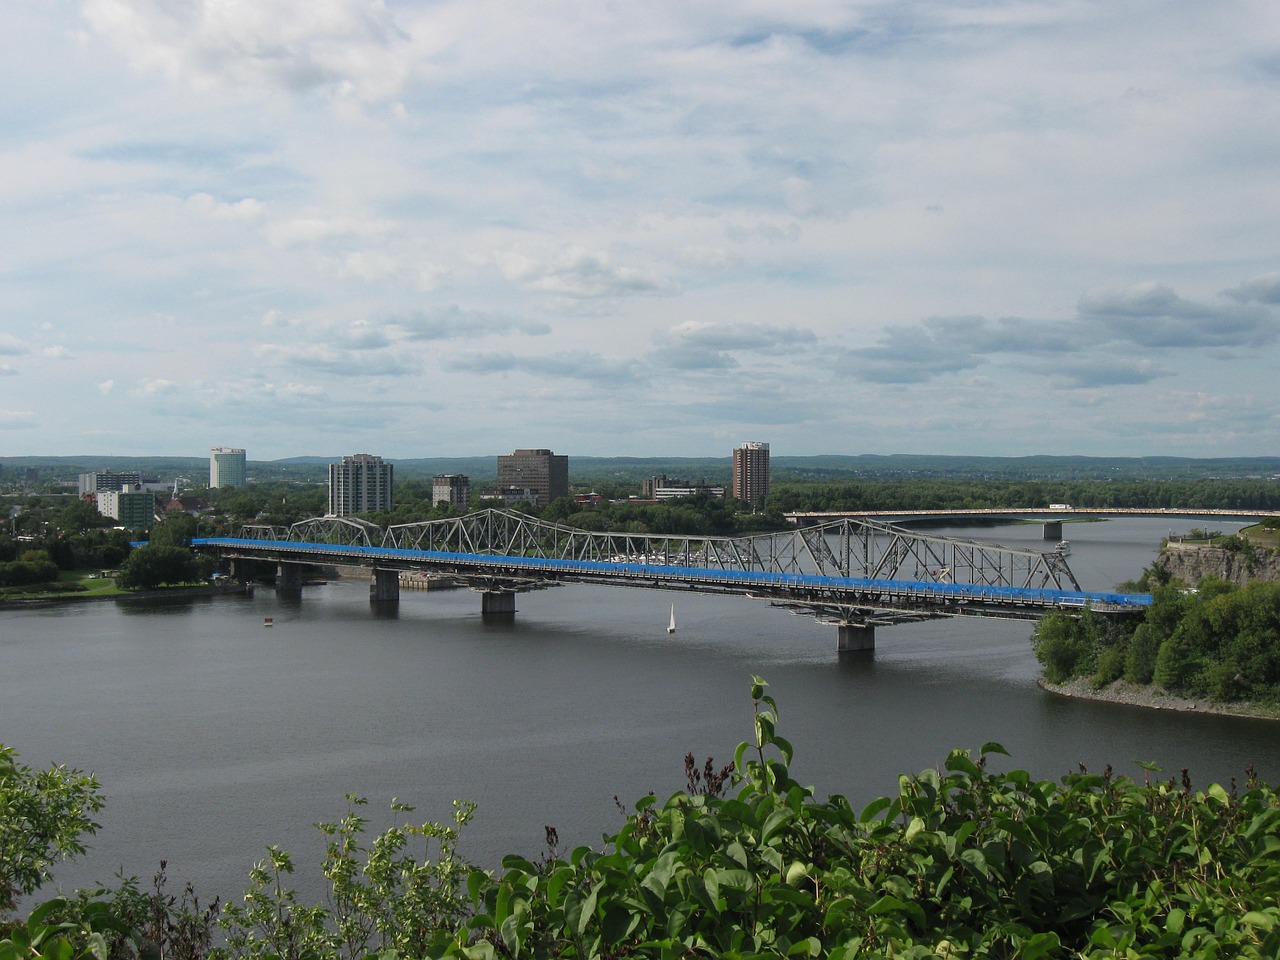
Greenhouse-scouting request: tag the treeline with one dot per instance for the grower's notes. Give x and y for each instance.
(1218, 641)
(964, 861)
(976, 494)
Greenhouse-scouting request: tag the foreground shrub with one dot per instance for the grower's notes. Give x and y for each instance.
(745, 862)
(963, 862)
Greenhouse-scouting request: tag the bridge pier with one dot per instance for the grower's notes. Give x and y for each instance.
(498, 605)
(288, 577)
(242, 569)
(856, 638)
(385, 586)
(1051, 530)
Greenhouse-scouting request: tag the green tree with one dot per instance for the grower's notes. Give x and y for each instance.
(43, 816)
(176, 530)
(152, 566)
(79, 516)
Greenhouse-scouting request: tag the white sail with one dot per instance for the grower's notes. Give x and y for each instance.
(671, 627)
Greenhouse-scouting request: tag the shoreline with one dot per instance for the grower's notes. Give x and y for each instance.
(1155, 698)
(176, 593)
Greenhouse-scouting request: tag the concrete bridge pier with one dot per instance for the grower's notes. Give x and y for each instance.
(498, 605)
(242, 569)
(856, 638)
(1051, 530)
(385, 586)
(288, 577)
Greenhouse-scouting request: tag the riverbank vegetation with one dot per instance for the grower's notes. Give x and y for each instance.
(964, 861)
(1217, 641)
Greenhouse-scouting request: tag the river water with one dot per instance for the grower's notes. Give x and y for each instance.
(214, 737)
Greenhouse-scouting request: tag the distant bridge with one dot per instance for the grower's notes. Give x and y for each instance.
(854, 573)
(1052, 517)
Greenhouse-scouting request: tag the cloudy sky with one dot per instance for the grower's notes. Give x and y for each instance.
(443, 228)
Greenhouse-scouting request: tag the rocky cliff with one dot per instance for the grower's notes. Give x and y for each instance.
(1190, 563)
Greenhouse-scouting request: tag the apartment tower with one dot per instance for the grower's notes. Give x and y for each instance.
(751, 472)
(360, 484)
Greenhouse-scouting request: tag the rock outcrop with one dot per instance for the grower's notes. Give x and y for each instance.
(1189, 563)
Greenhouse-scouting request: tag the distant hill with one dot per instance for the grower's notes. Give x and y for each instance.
(582, 469)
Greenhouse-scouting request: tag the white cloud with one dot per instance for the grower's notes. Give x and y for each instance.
(247, 210)
(16, 419)
(346, 48)
(825, 218)
(577, 272)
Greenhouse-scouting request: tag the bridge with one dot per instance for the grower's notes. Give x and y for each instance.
(853, 573)
(1051, 516)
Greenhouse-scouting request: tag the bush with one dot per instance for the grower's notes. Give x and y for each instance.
(43, 816)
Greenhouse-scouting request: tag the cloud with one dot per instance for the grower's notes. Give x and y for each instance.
(336, 360)
(247, 210)
(1260, 289)
(16, 419)
(12, 346)
(697, 345)
(106, 386)
(155, 388)
(318, 229)
(453, 323)
(1152, 315)
(568, 365)
(343, 48)
(7, 371)
(1104, 372)
(576, 272)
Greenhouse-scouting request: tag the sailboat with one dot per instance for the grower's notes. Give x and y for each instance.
(671, 627)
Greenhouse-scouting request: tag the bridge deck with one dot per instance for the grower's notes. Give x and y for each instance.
(927, 597)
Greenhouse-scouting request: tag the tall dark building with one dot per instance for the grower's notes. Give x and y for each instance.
(751, 472)
(543, 474)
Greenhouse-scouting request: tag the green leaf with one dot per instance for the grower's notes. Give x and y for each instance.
(1263, 921)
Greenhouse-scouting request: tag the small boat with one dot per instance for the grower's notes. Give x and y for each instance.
(671, 627)
(267, 621)
(1063, 548)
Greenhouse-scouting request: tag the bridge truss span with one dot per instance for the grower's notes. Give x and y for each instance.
(846, 547)
(854, 572)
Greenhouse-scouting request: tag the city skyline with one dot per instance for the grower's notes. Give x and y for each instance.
(880, 227)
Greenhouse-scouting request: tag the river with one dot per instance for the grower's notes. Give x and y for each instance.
(214, 737)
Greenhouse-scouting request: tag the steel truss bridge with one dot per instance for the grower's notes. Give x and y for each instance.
(853, 572)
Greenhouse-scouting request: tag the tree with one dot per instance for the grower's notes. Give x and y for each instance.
(173, 531)
(43, 815)
(79, 516)
(153, 566)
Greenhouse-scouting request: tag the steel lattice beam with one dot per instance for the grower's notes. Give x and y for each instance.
(848, 547)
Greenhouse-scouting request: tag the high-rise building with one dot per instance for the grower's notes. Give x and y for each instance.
(540, 472)
(107, 480)
(451, 488)
(360, 484)
(751, 472)
(226, 467)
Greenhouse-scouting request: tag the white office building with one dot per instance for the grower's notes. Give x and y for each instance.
(226, 467)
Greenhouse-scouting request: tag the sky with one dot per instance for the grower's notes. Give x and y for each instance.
(428, 228)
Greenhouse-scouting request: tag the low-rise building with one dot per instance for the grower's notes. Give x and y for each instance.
(663, 487)
(131, 506)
